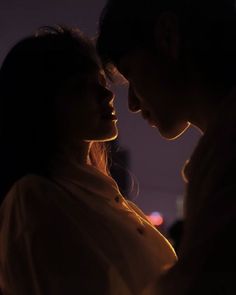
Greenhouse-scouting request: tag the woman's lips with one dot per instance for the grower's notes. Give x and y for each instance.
(109, 115)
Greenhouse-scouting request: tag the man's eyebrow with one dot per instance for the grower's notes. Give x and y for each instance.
(120, 79)
(122, 69)
(116, 77)
(124, 81)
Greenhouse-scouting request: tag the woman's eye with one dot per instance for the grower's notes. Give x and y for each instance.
(102, 80)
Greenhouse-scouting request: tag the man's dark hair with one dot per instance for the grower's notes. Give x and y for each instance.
(208, 31)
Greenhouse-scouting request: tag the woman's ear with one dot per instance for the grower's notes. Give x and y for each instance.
(167, 35)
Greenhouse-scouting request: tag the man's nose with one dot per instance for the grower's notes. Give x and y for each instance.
(133, 101)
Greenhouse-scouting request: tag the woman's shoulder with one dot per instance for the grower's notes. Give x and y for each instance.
(33, 181)
(33, 184)
(137, 210)
(30, 194)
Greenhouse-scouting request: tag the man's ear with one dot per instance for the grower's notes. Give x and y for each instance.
(167, 35)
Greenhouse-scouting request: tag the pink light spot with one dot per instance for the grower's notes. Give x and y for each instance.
(155, 218)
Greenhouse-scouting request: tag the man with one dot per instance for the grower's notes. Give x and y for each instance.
(179, 58)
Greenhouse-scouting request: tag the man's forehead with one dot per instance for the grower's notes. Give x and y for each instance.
(131, 59)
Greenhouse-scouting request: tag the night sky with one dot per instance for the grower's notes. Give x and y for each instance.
(154, 162)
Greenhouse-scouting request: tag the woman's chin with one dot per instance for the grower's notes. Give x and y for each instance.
(111, 137)
(106, 136)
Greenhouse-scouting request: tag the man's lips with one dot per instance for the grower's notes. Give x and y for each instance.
(147, 116)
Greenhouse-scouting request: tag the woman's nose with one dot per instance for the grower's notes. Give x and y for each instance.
(108, 94)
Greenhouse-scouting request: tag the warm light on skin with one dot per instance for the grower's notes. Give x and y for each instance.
(177, 134)
(107, 139)
(85, 101)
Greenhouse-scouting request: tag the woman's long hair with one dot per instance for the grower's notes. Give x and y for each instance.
(30, 80)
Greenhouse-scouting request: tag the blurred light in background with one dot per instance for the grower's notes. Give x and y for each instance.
(155, 218)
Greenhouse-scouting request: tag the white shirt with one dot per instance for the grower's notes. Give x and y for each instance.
(76, 234)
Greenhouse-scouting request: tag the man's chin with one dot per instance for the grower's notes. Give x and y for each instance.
(173, 133)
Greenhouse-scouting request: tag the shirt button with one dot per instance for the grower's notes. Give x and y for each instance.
(117, 199)
(140, 230)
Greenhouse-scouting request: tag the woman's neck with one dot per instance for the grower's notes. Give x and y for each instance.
(78, 151)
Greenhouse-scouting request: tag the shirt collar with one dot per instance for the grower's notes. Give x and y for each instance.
(85, 176)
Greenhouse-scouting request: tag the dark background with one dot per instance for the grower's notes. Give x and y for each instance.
(155, 163)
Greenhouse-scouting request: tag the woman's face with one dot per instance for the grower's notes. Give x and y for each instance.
(85, 108)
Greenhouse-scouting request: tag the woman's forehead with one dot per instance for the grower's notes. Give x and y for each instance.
(96, 75)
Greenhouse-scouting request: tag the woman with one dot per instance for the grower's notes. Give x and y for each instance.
(64, 226)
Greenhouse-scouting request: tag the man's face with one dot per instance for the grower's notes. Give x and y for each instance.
(156, 90)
